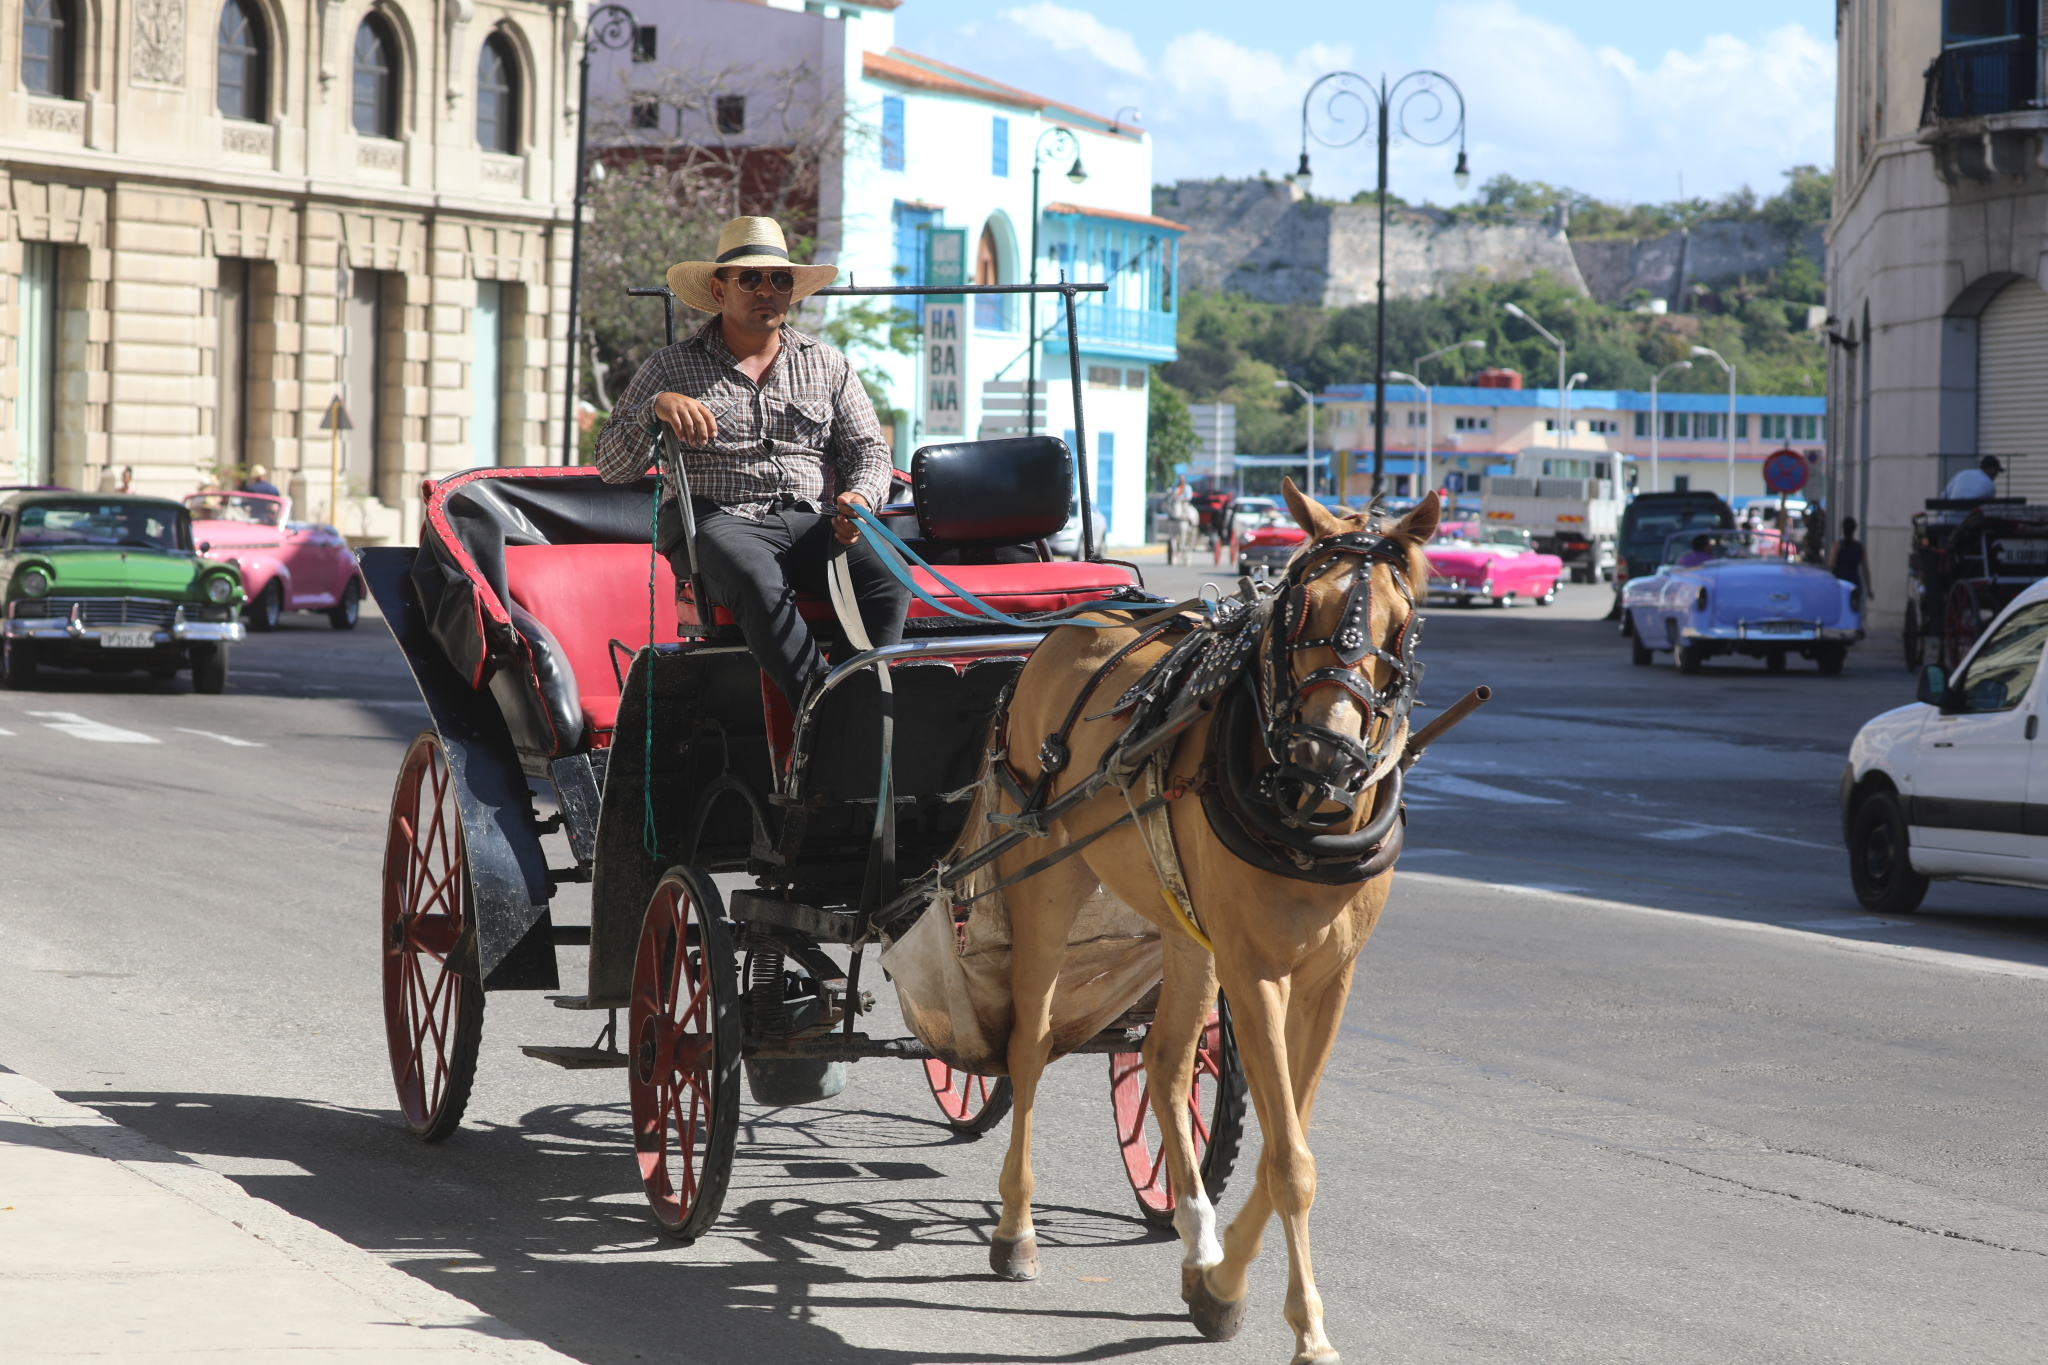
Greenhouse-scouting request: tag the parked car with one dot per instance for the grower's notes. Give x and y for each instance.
(1470, 560)
(112, 582)
(286, 565)
(1939, 789)
(1719, 592)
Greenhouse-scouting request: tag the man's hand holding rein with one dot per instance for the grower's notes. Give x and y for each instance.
(845, 526)
(689, 419)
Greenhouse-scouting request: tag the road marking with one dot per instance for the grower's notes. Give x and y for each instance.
(225, 739)
(1444, 784)
(1709, 831)
(8, 733)
(78, 727)
(1938, 957)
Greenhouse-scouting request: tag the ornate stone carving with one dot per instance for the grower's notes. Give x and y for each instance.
(158, 54)
(380, 156)
(56, 118)
(504, 170)
(251, 138)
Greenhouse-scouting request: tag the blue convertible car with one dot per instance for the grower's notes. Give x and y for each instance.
(1729, 592)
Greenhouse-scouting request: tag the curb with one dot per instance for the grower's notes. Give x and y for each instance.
(390, 1289)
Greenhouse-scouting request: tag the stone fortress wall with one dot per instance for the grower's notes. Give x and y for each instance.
(1262, 238)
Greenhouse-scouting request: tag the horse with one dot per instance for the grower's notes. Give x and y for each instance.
(1183, 525)
(1271, 904)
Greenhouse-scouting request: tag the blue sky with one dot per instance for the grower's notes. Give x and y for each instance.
(1615, 99)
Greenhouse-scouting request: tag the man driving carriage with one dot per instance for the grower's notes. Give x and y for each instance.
(778, 437)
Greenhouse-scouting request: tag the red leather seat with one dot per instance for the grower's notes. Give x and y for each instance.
(588, 596)
(1011, 588)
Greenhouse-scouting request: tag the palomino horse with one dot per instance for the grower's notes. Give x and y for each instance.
(1284, 936)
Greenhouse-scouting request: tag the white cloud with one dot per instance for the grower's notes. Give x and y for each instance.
(1077, 32)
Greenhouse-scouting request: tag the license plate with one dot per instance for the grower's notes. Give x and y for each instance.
(126, 639)
(1781, 628)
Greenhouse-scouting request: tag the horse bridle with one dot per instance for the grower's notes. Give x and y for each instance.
(1299, 792)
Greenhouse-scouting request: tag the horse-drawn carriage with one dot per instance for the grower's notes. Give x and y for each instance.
(908, 804)
(1969, 559)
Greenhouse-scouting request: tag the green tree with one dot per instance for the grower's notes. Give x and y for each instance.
(1169, 432)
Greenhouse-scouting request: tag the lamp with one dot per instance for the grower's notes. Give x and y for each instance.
(1077, 173)
(1462, 176)
(1302, 177)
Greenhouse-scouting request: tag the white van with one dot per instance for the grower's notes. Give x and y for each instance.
(1945, 787)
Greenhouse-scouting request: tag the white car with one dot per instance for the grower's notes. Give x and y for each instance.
(1941, 788)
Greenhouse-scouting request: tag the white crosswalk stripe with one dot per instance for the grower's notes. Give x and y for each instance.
(1443, 784)
(78, 727)
(239, 743)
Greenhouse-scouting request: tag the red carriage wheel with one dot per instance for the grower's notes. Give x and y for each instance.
(1961, 623)
(433, 994)
(1215, 1110)
(972, 1104)
(684, 1077)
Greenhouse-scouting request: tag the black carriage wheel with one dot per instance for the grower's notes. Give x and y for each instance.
(1216, 1112)
(1960, 624)
(972, 1104)
(1910, 637)
(433, 992)
(684, 1076)
(1880, 869)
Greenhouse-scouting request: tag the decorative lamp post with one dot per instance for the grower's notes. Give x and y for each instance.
(1513, 311)
(1655, 428)
(1052, 142)
(612, 27)
(1709, 353)
(1308, 404)
(1431, 99)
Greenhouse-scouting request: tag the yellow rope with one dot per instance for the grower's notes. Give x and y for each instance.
(1181, 913)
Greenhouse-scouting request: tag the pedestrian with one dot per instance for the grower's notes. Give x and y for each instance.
(127, 478)
(1975, 485)
(776, 431)
(1813, 549)
(1850, 564)
(259, 482)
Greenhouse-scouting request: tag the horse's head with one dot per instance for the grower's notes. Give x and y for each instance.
(1339, 668)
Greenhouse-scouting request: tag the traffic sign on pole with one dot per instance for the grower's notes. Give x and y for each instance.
(1785, 471)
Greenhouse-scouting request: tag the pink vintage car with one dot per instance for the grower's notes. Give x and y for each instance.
(286, 565)
(1470, 559)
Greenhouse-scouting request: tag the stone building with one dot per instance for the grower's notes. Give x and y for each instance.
(1936, 260)
(221, 215)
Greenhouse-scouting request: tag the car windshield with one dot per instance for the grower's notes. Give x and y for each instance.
(236, 507)
(91, 521)
(1654, 528)
(1508, 537)
(1697, 547)
(1458, 533)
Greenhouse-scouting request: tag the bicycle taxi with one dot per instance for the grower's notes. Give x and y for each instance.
(561, 660)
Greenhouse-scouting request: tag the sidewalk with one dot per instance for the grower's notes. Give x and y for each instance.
(113, 1247)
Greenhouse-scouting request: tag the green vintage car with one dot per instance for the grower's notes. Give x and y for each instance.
(111, 582)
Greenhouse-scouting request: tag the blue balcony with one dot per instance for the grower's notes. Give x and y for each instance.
(1131, 333)
(1986, 76)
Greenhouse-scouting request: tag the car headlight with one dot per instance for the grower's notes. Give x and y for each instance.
(33, 583)
(219, 589)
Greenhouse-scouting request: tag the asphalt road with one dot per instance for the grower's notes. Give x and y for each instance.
(1627, 1075)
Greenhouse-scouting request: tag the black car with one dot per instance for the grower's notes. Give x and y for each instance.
(1650, 520)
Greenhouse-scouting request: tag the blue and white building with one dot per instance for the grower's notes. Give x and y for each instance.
(934, 184)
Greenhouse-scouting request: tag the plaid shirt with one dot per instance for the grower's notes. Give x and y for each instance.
(807, 431)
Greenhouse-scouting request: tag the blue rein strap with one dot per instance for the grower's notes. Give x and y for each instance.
(895, 551)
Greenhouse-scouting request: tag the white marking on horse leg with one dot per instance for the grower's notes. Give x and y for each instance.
(1195, 1220)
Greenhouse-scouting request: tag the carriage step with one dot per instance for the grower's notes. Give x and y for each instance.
(578, 1058)
(572, 935)
(580, 1002)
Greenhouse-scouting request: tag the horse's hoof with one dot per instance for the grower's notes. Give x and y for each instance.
(1213, 1318)
(1326, 1356)
(1014, 1258)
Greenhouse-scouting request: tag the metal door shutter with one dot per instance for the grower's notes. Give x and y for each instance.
(2012, 386)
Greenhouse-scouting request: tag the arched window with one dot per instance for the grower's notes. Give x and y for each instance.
(497, 97)
(242, 71)
(46, 34)
(376, 80)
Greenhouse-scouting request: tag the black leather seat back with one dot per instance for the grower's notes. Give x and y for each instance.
(985, 493)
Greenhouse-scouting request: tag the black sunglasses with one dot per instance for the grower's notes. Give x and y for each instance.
(781, 281)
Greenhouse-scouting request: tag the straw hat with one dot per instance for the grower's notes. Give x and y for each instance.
(744, 242)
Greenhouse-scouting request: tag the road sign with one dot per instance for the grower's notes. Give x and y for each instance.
(337, 417)
(1785, 471)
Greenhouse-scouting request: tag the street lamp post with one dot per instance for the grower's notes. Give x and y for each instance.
(1051, 140)
(1308, 403)
(1709, 353)
(1429, 404)
(612, 27)
(1513, 311)
(1655, 429)
(1377, 109)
